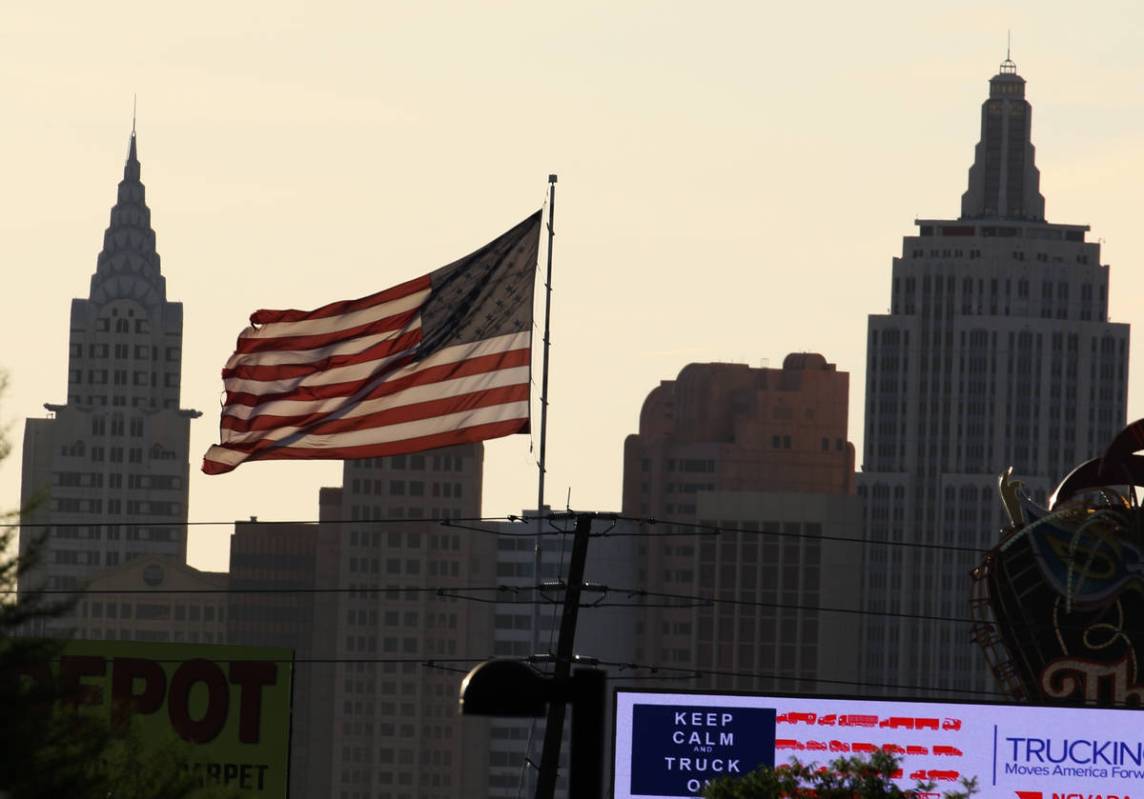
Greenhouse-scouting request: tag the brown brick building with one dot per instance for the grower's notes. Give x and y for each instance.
(762, 454)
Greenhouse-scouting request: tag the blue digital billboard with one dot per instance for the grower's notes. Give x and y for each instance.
(669, 745)
(676, 749)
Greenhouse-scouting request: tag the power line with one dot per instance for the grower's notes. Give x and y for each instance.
(693, 529)
(427, 662)
(702, 528)
(208, 591)
(698, 673)
(680, 601)
(654, 672)
(702, 601)
(449, 522)
(713, 600)
(787, 606)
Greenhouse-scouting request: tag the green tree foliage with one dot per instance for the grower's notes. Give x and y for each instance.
(50, 746)
(844, 778)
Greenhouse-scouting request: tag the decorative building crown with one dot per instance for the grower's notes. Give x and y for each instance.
(1059, 602)
(128, 265)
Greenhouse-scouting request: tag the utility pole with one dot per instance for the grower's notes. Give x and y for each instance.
(554, 722)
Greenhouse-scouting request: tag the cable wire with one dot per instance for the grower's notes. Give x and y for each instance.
(924, 690)
(679, 601)
(694, 529)
(715, 528)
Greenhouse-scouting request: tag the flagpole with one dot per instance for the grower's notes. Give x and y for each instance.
(543, 413)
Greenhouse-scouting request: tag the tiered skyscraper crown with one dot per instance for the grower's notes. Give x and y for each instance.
(1004, 182)
(129, 243)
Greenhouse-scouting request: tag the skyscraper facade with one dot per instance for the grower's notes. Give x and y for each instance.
(104, 477)
(385, 721)
(760, 456)
(997, 351)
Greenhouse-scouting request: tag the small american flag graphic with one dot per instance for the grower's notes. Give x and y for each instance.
(439, 360)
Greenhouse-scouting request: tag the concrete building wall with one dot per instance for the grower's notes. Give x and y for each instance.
(323, 735)
(154, 598)
(394, 722)
(273, 577)
(791, 563)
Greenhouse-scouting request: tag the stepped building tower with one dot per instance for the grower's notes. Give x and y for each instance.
(104, 476)
(997, 351)
(761, 454)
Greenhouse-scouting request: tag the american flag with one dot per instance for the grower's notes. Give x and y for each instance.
(439, 360)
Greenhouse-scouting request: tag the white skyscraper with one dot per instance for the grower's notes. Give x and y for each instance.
(104, 477)
(997, 352)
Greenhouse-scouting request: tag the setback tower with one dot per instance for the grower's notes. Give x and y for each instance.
(104, 477)
(997, 352)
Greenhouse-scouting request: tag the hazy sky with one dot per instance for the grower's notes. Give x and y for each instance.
(734, 181)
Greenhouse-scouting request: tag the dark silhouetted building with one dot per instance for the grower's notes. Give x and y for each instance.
(273, 577)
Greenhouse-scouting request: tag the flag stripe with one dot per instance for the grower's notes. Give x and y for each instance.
(383, 349)
(340, 347)
(352, 373)
(219, 460)
(465, 378)
(500, 346)
(250, 341)
(406, 412)
(344, 307)
(313, 393)
(322, 446)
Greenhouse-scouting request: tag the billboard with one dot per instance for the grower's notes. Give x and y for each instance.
(228, 705)
(672, 744)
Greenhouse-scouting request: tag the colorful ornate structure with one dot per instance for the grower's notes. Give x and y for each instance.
(1059, 602)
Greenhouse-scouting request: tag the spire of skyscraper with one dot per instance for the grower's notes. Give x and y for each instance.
(131, 166)
(129, 241)
(1004, 182)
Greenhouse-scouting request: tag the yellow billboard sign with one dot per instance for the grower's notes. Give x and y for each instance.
(227, 706)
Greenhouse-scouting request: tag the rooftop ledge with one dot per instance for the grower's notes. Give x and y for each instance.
(1000, 228)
